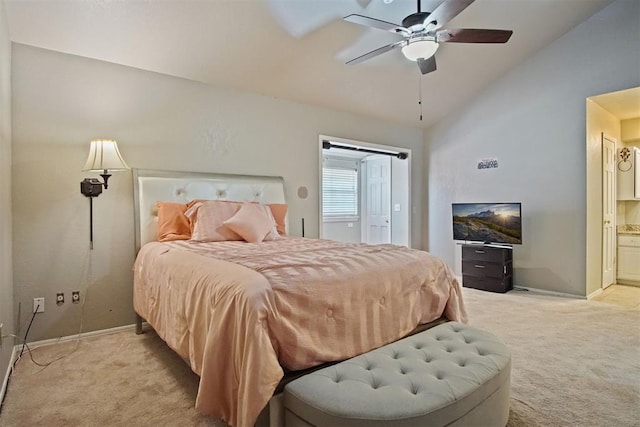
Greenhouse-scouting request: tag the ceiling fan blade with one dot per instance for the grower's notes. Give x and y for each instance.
(374, 23)
(376, 52)
(445, 13)
(427, 65)
(470, 35)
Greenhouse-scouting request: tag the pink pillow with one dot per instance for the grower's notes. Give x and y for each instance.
(279, 212)
(254, 223)
(208, 219)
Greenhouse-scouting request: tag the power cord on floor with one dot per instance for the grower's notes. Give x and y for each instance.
(24, 342)
(25, 345)
(30, 351)
(89, 277)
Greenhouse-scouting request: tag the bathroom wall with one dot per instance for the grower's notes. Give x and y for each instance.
(629, 210)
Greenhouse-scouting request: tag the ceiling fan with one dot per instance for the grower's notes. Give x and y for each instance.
(422, 33)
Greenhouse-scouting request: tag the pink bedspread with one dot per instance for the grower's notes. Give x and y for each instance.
(239, 311)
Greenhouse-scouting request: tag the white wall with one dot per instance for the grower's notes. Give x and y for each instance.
(629, 210)
(630, 130)
(533, 121)
(61, 102)
(343, 231)
(632, 212)
(6, 280)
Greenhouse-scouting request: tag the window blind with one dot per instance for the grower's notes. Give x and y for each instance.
(339, 191)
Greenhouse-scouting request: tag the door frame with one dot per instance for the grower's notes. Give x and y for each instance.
(372, 146)
(608, 225)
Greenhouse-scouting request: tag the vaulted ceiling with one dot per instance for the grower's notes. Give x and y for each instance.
(297, 49)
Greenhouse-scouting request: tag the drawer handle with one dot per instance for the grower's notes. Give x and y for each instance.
(479, 266)
(479, 252)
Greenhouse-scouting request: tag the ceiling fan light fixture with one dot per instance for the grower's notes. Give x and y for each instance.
(421, 48)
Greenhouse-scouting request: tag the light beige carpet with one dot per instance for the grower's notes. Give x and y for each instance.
(575, 363)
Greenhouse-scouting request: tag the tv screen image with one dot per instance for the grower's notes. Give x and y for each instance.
(487, 222)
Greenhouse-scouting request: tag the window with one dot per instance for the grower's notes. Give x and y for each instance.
(339, 189)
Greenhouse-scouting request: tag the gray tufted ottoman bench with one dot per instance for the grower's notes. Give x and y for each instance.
(449, 375)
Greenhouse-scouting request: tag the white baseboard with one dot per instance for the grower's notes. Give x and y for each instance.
(5, 382)
(595, 293)
(74, 337)
(538, 291)
(36, 344)
(552, 293)
(627, 282)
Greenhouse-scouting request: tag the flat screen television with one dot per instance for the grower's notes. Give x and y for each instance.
(488, 223)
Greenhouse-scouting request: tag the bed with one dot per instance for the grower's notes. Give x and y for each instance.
(245, 311)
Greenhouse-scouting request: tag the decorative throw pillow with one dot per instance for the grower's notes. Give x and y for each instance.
(254, 222)
(279, 211)
(208, 219)
(172, 222)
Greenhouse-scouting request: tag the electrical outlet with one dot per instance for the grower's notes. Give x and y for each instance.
(38, 305)
(75, 297)
(60, 298)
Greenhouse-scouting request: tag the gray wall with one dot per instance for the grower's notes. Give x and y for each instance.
(6, 280)
(533, 121)
(61, 102)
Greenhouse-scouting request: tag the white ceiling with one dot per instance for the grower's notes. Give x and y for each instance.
(296, 49)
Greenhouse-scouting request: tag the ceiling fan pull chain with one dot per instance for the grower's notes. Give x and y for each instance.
(420, 95)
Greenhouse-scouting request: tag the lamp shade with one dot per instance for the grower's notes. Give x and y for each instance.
(421, 48)
(104, 155)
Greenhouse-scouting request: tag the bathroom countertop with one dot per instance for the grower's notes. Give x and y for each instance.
(629, 229)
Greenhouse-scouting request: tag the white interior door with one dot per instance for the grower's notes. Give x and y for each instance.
(378, 199)
(636, 173)
(608, 211)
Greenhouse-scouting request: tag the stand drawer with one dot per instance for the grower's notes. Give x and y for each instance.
(484, 253)
(487, 283)
(487, 269)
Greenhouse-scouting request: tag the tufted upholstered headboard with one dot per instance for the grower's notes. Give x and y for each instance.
(151, 186)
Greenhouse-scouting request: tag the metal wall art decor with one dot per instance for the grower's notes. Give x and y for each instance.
(624, 165)
(488, 164)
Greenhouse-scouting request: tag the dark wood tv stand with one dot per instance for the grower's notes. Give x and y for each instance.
(487, 267)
